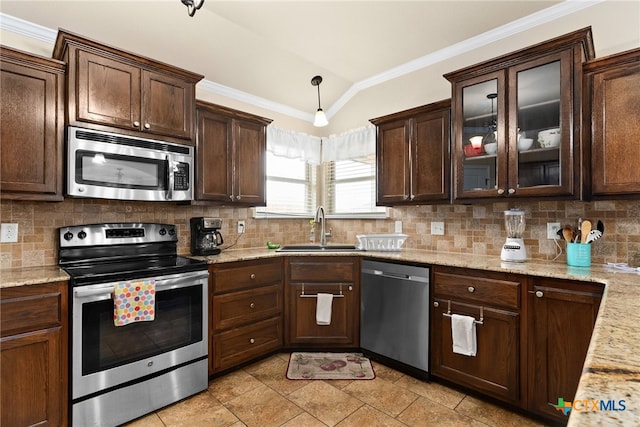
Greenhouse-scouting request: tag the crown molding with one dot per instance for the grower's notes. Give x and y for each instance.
(544, 16)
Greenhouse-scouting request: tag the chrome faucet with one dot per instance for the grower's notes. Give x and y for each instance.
(321, 218)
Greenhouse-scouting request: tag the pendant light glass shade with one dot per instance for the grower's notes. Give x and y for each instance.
(320, 119)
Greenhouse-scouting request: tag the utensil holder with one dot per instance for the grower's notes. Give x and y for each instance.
(579, 254)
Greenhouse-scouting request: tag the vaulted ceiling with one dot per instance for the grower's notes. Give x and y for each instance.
(266, 52)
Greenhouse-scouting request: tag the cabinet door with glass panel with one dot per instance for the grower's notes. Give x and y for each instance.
(514, 123)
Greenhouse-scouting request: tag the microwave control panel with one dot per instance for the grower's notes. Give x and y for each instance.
(181, 176)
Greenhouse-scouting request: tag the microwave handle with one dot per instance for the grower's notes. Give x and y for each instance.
(170, 178)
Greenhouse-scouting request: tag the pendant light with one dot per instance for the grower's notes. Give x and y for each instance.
(192, 5)
(321, 119)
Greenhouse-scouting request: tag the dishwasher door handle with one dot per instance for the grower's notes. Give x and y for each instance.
(381, 273)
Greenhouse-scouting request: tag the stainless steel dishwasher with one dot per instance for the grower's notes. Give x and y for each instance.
(394, 313)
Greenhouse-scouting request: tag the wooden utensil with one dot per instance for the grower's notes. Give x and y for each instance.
(585, 229)
(567, 233)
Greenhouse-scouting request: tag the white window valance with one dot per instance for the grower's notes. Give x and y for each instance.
(353, 144)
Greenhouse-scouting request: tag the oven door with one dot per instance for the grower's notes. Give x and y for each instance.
(104, 356)
(110, 166)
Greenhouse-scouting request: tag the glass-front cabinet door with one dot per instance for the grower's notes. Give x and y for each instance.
(481, 166)
(513, 131)
(540, 134)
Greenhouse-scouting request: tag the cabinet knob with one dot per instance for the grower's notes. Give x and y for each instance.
(231, 197)
(252, 305)
(500, 191)
(539, 294)
(238, 197)
(512, 190)
(412, 197)
(252, 340)
(253, 276)
(147, 126)
(136, 124)
(436, 304)
(471, 289)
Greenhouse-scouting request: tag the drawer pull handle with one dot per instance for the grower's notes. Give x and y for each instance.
(471, 289)
(436, 304)
(252, 340)
(539, 294)
(253, 276)
(252, 305)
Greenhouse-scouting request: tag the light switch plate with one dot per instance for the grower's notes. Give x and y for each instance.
(9, 233)
(398, 228)
(240, 227)
(437, 228)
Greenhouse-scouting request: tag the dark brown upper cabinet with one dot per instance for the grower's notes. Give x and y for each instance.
(31, 126)
(231, 156)
(412, 152)
(516, 123)
(114, 90)
(611, 125)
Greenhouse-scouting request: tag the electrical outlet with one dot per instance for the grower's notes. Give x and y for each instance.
(240, 227)
(398, 228)
(437, 228)
(9, 233)
(552, 230)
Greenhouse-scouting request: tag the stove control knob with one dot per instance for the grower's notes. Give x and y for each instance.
(163, 231)
(68, 236)
(172, 232)
(82, 235)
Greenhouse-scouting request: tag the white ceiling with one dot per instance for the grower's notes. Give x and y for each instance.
(266, 52)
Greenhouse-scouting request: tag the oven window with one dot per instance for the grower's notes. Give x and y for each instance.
(112, 170)
(178, 323)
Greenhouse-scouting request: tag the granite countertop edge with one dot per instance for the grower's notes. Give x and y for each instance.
(612, 367)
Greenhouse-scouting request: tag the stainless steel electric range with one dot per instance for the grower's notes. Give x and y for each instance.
(119, 373)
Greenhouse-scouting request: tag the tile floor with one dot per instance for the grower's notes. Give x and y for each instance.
(261, 396)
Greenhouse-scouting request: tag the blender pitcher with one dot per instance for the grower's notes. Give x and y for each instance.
(514, 249)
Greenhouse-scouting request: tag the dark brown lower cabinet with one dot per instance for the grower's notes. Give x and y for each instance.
(494, 300)
(307, 276)
(494, 370)
(561, 318)
(245, 312)
(33, 351)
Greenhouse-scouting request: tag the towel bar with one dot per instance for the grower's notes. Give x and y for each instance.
(448, 313)
(340, 295)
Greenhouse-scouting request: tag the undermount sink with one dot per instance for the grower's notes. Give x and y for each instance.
(317, 248)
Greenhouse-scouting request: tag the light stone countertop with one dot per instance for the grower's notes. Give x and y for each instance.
(612, 367)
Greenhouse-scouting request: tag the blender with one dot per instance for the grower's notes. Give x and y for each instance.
(513, 249)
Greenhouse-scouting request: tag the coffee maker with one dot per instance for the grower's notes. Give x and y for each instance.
(205, 237)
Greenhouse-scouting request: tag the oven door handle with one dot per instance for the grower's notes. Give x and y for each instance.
(161, 285)
(170, 177)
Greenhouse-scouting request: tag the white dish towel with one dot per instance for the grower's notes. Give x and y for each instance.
(463, 334)
(323, 309)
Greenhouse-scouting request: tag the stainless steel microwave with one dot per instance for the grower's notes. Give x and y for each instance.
(111, 166)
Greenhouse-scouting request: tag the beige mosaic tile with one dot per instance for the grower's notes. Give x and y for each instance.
(325, 402)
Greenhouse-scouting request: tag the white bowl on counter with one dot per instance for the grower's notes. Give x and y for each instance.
(549, 138)
(524, 144)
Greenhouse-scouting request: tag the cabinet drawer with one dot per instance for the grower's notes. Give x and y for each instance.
(488, 290)
(315, 269)
(239, 308)
(246, 274)
(30, 308)
(243, 344)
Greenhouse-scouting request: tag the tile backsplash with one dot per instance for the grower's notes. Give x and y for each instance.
(477, 228)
